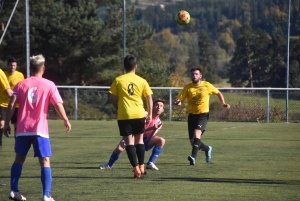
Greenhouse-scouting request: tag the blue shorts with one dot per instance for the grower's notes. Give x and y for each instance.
(146, 142)
(41, 146)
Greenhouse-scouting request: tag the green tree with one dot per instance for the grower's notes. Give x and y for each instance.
(240, 71)
(206, 62)
(80, 48)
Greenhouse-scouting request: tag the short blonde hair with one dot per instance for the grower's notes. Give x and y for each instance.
(36, 63)
(37, 60)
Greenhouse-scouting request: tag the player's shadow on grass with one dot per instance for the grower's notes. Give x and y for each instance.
(233, 181)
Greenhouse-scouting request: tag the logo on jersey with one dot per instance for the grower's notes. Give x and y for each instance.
(32, 95)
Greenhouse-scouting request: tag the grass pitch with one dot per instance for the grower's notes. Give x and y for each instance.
(250, 161)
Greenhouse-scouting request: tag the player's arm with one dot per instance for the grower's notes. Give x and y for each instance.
(10, 111)
(60, 110)
(153, 129)
(149, 103)
(9, 92)
(114, 101)
(181, 96)
(222, 100)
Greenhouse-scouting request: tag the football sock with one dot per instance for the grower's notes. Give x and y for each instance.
(140, 152)
(113, 158)
(1, 134)
(196, 146)
(131, 153)
(15, 172)
(203, 147)
(155, 153)
(46, 178)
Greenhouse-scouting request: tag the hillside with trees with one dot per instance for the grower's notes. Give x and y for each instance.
(243, 42)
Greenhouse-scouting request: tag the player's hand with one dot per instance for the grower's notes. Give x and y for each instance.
(67, 125)
(148, 119)
(158, 125)
(177, 102)
(6, 130)
(226, 105)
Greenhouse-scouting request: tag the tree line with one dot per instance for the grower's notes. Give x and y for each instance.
(243, 42)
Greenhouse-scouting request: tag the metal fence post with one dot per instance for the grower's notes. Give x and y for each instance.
(170, 104)
(268, 106)
(76, 105)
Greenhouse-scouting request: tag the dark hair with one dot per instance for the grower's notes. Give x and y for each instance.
(11, 60)
(196, 68)
(129, 62)
(159, 100)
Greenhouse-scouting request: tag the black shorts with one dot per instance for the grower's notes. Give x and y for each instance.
(131, 126)
(13, 118)
(197, 122)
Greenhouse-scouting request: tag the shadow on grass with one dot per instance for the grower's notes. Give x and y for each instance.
(180, 179)
(234, 181)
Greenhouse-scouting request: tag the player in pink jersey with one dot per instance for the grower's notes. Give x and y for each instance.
(150, 139)
(33, 95)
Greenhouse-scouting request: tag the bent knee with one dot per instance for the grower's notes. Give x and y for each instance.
(161, 142)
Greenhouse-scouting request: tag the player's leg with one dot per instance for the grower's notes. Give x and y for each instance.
(203, 119)
(2, 118)
(194, 136)
(23, 145)
(115, 155)
(138, 129)
(140, 151)
(42, 150)
(126, 132)
(14, 122)
(158, 143)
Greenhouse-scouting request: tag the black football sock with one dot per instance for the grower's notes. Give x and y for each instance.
(203, 147)
(196, 146)
(131, 153)
(140, 152)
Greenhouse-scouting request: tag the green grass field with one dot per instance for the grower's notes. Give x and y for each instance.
(250, 161)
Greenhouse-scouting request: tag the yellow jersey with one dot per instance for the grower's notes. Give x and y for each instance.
(198, 96)
(3, 86)
(130, 88)
(12, 79)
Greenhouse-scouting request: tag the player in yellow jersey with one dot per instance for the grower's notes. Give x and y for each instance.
(126, 95)
(13, 77)
(5, 92)
(197, 93)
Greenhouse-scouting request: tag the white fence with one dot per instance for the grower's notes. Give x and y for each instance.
(247, 104)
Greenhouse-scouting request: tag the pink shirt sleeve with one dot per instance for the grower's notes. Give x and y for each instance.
(55, 96)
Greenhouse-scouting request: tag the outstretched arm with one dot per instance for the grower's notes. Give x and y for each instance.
(221, 98)
(60, 110)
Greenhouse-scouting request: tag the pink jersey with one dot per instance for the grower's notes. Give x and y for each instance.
(33, 96)
(152, 123)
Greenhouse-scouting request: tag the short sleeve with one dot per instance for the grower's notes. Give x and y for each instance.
(113, 88)
(147, 90)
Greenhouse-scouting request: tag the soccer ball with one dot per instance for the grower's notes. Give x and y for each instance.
(183, 17)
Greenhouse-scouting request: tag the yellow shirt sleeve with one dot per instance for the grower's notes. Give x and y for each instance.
(3, 86)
